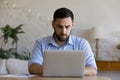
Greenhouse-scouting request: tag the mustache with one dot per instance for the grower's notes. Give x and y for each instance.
(62, 34)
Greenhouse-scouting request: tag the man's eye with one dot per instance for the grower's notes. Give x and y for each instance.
(59, 26)
(67, 27)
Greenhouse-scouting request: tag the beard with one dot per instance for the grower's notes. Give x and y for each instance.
(60, 38)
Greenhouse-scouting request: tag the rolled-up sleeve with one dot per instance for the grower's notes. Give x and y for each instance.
(37, 55)
(90, 59)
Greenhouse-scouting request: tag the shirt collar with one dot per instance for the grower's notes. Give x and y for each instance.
(52, 41)
(70, 41)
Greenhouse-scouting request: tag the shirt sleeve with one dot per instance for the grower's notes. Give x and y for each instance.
(90, 59)
(37, 55)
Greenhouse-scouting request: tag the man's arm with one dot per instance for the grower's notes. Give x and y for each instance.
(36, 69)
(90, 71)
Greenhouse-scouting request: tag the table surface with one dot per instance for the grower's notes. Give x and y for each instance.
(57, 78)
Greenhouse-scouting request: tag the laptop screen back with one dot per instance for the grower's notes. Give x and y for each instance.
(64, 63)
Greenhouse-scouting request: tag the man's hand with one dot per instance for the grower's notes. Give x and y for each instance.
(36, 69)
(90, 71)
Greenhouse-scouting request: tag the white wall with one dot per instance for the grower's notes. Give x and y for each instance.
(36, 15)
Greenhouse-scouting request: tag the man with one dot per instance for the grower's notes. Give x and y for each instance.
(63, 23)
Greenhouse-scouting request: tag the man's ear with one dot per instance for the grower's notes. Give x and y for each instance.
(53, 24)
(72, 25)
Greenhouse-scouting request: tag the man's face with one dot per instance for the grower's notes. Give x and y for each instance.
(62, 28)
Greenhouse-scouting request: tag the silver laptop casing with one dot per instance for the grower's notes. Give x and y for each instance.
(64, 63)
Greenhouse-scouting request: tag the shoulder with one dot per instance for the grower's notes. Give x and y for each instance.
(78, 39)
(44, 39)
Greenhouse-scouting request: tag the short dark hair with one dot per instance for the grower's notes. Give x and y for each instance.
(63, 13)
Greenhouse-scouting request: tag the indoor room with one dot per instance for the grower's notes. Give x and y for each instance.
(97, 21)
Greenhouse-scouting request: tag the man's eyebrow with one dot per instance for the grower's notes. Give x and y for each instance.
(62, 25)
(59, 25)
(68, 25)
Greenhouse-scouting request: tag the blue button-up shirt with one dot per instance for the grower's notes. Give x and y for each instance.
(73, 43)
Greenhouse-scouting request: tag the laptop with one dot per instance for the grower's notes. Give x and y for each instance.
(63, 63)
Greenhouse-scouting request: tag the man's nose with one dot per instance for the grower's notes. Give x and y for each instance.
(63, 30)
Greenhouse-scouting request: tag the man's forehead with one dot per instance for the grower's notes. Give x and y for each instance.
(64, 21)
(63, 25)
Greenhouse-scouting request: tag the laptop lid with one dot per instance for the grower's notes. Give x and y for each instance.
(64, 63)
